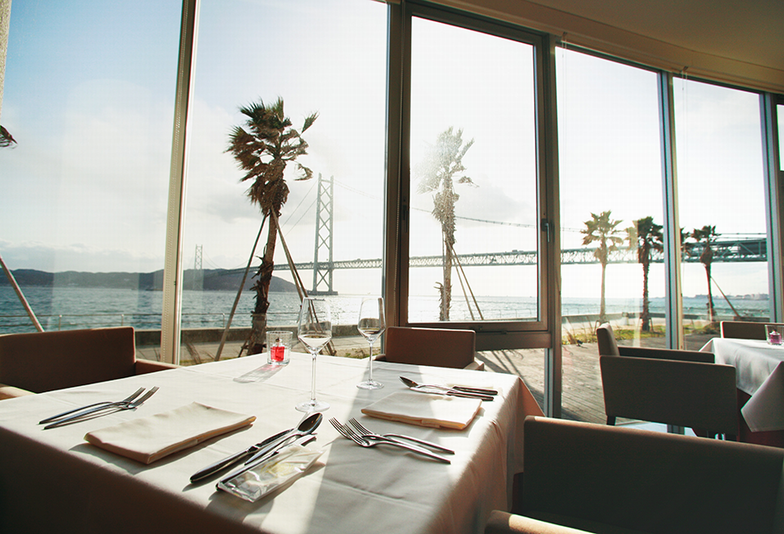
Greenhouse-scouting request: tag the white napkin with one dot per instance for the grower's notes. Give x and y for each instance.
(148, 439)
(424, 409)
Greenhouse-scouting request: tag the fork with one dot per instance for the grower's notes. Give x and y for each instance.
(126, 400)
(366, 431)
(371, 440)
(118, 405)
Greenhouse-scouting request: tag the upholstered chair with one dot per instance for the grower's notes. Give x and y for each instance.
(45, 361)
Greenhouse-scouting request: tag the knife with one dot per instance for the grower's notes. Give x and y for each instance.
(465, 389)
(234, 458)
(452, 393)
(478, 391)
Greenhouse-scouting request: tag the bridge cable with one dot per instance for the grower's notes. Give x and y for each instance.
(301, 290)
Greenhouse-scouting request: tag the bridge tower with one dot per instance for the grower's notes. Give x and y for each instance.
(197, 258)
(197, 282)
(322, 269)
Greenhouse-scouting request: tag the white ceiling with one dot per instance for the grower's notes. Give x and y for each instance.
(750, 31)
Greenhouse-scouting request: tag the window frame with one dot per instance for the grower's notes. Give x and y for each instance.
(490, 334)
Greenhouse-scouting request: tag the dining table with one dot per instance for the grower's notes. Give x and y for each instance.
(760, 382)
(54, 480)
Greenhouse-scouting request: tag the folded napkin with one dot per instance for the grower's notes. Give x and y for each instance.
(424, 409)
(151, 438)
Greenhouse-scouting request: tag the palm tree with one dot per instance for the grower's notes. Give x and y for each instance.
(438, 169)
(604, 231)
(263, 148)
(708, 235)
(648, 238)
(6, 139)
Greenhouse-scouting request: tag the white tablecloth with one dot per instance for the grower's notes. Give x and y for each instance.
(54, 481)
(760, 373)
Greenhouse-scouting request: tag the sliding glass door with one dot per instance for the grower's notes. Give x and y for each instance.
(611, 217)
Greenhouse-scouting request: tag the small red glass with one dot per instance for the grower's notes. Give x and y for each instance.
(279, 345)
(773, 334)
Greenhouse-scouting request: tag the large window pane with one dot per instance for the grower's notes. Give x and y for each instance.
(473, 242)
(327, 57)
(89, 90)
(722, 207)
(611, 214)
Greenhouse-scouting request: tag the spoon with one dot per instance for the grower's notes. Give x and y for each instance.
(307, 426)
(470, 393)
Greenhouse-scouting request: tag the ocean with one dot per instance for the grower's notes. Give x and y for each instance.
(66, 308)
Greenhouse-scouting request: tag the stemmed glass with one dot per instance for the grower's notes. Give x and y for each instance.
(314, 330)
(371, 324)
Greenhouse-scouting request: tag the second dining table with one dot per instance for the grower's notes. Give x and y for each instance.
(55, 481)
(760, 381)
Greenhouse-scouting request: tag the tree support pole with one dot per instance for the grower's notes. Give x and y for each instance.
(21, 296)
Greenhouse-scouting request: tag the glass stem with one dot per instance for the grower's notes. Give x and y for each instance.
(313, 379)
(370, 363)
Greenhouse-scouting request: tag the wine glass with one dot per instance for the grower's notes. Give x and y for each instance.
(314, 330)
(371, 324)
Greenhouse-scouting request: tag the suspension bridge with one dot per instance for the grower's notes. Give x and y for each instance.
(752, 249)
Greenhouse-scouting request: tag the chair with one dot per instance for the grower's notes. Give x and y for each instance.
(438, 347)
(745, 329)
(584, 477)
(45, 361)
(675, 387)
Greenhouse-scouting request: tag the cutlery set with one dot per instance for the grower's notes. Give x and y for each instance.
(97, 409)
(262, 451)
(453, 391)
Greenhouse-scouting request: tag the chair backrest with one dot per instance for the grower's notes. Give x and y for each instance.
(745, 329)
(440, 347)
(648, 481)
(702, 396)
(606, 341)
(45, 361)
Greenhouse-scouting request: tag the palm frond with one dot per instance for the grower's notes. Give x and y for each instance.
(6, 139)
(309, 120)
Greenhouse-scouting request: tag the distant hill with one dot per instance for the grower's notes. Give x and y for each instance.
(207, 280)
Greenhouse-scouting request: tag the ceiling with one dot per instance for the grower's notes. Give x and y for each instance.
(748, 31)
(733, 41)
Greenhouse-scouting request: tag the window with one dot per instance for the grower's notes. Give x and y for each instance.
(722, 207)
(611, 217)
(474, 250)
(84, 191)
(318, 57)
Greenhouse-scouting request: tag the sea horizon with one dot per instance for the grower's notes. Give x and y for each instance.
(64, 308)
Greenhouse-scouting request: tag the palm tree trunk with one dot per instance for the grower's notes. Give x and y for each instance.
(645, 318)
(446, 301)
(262, 285)
(711, 312)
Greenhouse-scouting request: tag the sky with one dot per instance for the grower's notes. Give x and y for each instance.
(89, 92)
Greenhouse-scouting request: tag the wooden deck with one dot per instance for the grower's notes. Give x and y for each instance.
(582, 398)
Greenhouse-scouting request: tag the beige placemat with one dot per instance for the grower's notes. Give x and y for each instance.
(148, 439)
(424, 409)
